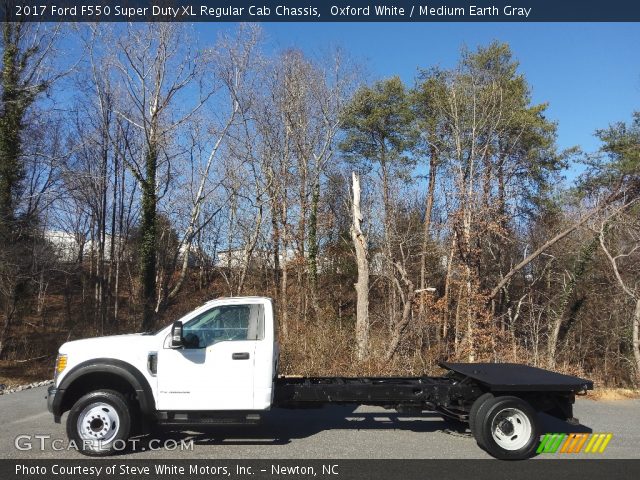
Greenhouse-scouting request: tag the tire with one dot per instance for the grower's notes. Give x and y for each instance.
(474, 410)
(99, 423)
(507, 428)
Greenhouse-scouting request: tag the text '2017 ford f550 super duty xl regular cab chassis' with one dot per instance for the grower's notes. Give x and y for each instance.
(220, 363)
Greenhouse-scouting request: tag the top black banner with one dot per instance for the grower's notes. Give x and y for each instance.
(321, 11)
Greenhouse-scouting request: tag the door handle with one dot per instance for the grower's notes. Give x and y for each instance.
(240, 356)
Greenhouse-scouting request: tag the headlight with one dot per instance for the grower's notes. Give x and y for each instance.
(61, 364)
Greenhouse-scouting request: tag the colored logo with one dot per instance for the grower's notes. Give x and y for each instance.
(574, 442)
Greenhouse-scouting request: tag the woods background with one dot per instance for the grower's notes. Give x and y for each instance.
(143, 172)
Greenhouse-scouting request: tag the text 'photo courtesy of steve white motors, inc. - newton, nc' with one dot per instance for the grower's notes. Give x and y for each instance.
(184, 12)
(169, 469)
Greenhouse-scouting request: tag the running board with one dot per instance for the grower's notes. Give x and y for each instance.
(208, 418)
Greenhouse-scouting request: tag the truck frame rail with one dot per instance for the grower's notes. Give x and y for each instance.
(295, 392)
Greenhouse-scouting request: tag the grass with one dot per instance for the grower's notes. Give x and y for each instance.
(611, 394)
(14, 374)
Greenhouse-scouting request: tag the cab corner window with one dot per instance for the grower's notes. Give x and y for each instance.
(225, 323)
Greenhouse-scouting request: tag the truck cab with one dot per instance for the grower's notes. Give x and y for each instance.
(226, 359)
(221, 357)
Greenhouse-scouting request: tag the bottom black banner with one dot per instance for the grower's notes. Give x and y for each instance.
(107, 469)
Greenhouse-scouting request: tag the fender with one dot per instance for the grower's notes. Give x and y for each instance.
(124, 370)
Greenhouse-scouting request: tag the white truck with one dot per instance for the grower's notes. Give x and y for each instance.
(219, 363)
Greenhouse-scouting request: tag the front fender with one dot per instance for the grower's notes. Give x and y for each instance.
(90, 369)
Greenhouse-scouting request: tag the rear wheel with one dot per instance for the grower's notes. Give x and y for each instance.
(473, 413)
(508, 428)
(100, 423)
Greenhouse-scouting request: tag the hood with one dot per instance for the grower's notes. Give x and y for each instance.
(109, 344)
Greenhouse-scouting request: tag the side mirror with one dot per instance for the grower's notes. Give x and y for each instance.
(176, 335)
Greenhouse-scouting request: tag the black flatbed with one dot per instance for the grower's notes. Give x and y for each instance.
(514, 377)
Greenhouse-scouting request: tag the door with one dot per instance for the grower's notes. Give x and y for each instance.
(215, 369)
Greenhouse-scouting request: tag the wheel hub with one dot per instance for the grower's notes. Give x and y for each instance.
(511, 429)
(506, 427)
(98, 422)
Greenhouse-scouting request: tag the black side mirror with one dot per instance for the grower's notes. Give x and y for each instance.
(176, 335)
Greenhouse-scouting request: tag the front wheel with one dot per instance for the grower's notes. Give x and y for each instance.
(100, 423)
(508, 428)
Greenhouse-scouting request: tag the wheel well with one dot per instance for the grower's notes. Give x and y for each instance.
(93, 381)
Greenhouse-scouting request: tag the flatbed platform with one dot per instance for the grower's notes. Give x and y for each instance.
(514, 377)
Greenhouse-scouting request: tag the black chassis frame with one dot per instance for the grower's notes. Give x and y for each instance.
(451, 395)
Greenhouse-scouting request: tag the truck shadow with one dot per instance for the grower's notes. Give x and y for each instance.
(281, 426)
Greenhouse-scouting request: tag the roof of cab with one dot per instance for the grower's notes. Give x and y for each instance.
(253, 297)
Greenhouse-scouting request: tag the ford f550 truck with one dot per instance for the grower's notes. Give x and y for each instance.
(219, 363)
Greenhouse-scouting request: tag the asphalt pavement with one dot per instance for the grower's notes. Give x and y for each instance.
(27, 431)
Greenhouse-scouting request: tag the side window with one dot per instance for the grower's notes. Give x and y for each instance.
(225, 323)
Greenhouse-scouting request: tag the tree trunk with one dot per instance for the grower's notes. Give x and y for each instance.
(275, 238)
(120, 246)
(470, 317)
(9, 311)
(114, 236)
(284, 301)
(284, 304)
(456, 323)
(301, 237)
(426, 234)
(148, 245)
(313, 247)
(11, 124)
(102, 235)
(248, 251)
(407, 299)
(553, 342)
(636, 338)
(362, 285)
(446, 314)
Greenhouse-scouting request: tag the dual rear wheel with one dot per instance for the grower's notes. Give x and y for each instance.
(506, 427)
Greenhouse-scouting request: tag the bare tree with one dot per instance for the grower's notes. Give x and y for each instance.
(157, 65)
(27, 50)
(362, 284)
(626, 242)
(230, 64)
